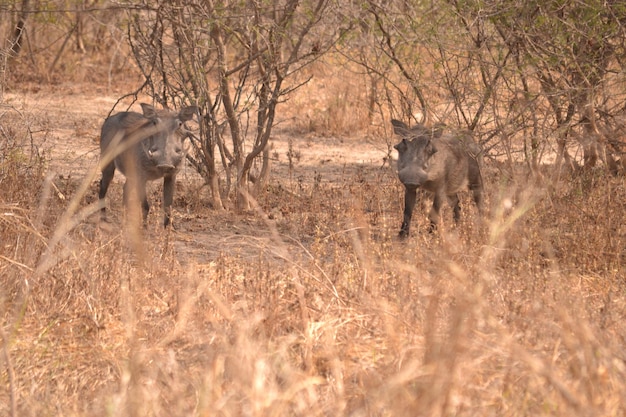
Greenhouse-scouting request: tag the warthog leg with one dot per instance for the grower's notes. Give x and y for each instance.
(107, 175)
(168, 197)
(135, 196)
(433, 216)
(410, 197)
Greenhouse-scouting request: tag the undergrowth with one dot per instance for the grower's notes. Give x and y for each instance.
(311, 306)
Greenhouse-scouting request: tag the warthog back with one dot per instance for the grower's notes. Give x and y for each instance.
(439, 163)
(144, 147)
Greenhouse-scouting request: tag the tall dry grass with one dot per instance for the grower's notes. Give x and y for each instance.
(309, 305)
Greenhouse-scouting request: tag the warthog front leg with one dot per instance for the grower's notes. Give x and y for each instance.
(168, 197)
(107, 175)
(410, 197)
(476, 184)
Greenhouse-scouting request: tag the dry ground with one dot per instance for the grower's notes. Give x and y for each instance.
(308, 305)
(65, 127)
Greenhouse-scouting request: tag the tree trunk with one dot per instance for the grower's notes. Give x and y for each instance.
(214, 185)
(16, 42)
(208, 150)
(563, 155)
(264, 175)
(80, 44)
(590, 137)
(241, 184)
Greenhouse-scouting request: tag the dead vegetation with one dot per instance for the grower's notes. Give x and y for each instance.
(307, 305)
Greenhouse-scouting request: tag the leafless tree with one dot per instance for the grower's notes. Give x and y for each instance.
(234, 60)
(515, 73)
(16, 41)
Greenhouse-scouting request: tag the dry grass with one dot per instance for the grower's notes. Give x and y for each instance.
(309, 305)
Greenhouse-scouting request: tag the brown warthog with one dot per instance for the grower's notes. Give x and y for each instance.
(440, 163)
(147, 146)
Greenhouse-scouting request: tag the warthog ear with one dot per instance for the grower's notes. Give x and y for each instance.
(400, 128)
(401, 147)
(187, 113)
(149, 111)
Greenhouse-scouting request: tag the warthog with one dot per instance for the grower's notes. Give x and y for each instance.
(442, 164)
(149, 146)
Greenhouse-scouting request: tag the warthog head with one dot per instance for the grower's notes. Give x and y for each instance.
(439, 163)
(162, 153)
(414, 156)
(144, 147)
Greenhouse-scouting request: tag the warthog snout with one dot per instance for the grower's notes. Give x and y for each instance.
(412, 178)
(166, 169)
(438, 163)
(411, 171)
(150, 147)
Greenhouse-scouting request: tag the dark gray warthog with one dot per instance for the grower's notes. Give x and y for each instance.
(440, 163)
(147, 146)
